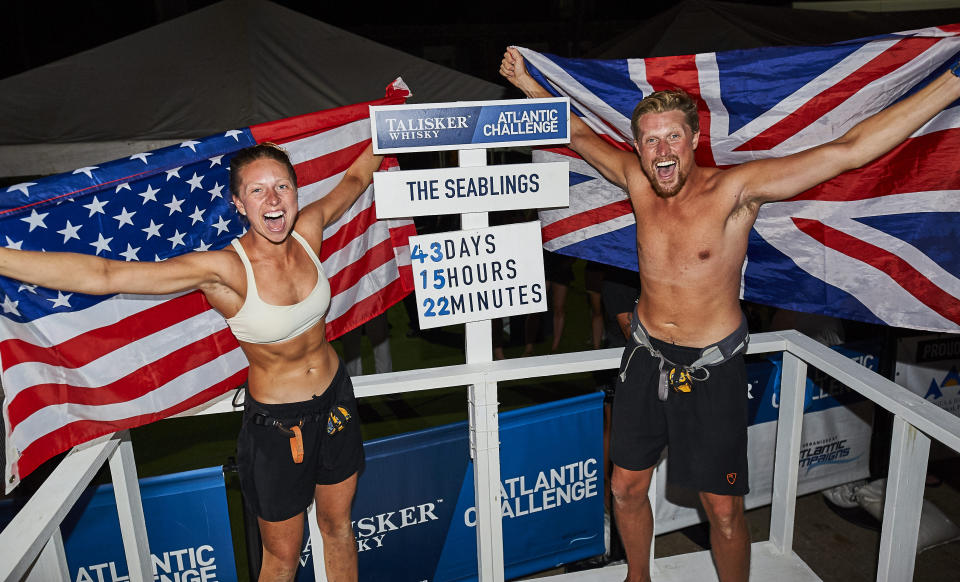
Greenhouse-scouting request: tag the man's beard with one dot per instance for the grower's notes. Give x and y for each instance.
(651, 173)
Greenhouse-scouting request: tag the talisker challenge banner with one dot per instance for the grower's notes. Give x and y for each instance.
(467, 124)
(414, 517)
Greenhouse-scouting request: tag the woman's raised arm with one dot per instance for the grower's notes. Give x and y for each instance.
(99, 276)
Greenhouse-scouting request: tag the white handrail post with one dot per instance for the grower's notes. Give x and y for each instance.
(32, 528)
(793, 383)
(903, 503)
(484, 422)
(51, 564)
(316, 545)
(133, 526)
(652, 498)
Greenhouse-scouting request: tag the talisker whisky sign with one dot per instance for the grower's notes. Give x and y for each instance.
(469, 125)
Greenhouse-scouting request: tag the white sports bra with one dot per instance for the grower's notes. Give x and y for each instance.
(262, 323)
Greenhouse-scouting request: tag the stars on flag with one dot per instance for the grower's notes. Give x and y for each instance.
(131, 253)
(95, 207)
(35, 219)
(147, 206)
(195, 182)
(87, 170)
(174, 204)
(101, 244)
(70, 231)
(23, 187)
(61, 300)
(150, 194)
(152, 230)
(124, 218)
(10, 306)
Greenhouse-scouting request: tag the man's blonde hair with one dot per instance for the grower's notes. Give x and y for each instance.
(663, 101)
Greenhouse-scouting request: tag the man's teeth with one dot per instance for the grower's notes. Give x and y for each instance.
(665, 164)
(276, 214)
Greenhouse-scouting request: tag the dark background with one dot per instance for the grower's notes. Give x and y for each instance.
(467, 37)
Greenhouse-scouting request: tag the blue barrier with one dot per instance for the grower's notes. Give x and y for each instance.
(414, 517)
(187, 525)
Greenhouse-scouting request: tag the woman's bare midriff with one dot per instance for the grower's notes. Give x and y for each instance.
(291, 371)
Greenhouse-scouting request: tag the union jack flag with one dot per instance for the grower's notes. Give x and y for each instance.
(877, 244)
(76, 366)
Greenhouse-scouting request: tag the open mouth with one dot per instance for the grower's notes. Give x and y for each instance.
(274, 220)
(666, 169)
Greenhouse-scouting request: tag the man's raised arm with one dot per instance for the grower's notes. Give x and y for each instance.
(610, 161)
(782, 178)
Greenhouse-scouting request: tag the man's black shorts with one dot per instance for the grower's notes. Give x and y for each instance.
(276, 488)
(706, 428)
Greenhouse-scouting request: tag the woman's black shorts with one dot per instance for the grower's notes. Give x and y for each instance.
(275, 487)
(706, 429)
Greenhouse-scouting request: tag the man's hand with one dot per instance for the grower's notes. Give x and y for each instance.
(513, 69)
(610, 161)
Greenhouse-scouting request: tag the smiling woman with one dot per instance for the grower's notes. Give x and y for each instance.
(300, 440)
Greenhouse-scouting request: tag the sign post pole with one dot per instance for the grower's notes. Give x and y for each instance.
(481, 272)
(484, 421)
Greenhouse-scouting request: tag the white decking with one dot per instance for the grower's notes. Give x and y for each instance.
(766, 563)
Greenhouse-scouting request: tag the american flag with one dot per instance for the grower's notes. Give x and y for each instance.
(77, 366)
(877, 244)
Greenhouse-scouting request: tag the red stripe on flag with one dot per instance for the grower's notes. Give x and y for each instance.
(371, 259)
(406, 277)
(61, 439)
(96, 343)
(355, 227)
(292, 128)
(134, 385)
(916, 165)
(331, 164)
(400, 235)
(885, 63)
(367, 308)
(389, 162)
(584, 219)
(895, 267)
(666, 73)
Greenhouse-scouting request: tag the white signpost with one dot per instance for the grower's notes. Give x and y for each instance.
(473, 275)
(509, 258)
(480, 189)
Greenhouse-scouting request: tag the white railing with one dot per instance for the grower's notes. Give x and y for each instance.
(31, 547)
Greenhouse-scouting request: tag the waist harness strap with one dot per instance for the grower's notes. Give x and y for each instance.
(712, 355)
(282, 424)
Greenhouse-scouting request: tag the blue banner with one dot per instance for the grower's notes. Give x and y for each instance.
(822, 391)
(414, 517)
(187, 525)
(404, 128)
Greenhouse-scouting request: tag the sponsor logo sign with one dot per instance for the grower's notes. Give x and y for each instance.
(466, 125)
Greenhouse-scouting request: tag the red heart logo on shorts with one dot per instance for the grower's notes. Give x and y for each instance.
(731, 478)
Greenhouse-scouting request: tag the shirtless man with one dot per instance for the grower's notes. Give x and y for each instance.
(692, 228)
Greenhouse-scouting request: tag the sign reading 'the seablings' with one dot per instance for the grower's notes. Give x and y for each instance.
(472, 275)
(471, 189)
(470, 124)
